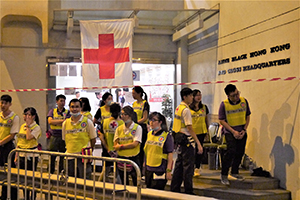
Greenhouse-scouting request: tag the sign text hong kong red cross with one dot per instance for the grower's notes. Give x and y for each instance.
(106, 56)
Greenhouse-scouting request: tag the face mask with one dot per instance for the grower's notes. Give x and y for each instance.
(75, 114)
(127, 121)
(108, 103)
(155, 129)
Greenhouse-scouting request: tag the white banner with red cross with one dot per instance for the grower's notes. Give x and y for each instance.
(106, 47)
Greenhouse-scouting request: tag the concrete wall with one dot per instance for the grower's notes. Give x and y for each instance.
(245, 27)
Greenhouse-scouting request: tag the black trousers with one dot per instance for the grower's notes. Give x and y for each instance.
(142, 145)
(4, 151)
(234, 154)
(56, 144)
(184, 169)
(158, 184)
(198, 157)
(132, 173)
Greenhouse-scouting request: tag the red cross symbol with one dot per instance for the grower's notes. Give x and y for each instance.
(113, 124)
(106, 56)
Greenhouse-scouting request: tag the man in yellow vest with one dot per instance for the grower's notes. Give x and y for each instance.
(234, 116)
(9, 127)
(185, 137)
(56, 117)
(79, 134)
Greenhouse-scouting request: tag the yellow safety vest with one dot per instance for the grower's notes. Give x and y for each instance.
(236, 114)
(76, 136)
(154, 149)
(178, 123)
(88, 115)
(56, 116)
(22, 142)
(138, 108)
(126, 139)
(198, 119)
(5, 126)
(109, 127)
(104, 114)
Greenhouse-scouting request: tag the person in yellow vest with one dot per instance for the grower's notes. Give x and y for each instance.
(127, 141)
(158, 153)
(234, 116)
(199, 113)
(27, 138)
(142, 108)
(103, 112)
(107, 134)
(86, 108)
(55, 118)
(9, 127)
(185, 138)
(79, 134)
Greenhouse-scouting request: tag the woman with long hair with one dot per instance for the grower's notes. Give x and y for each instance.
(86, 108)
(142, 108)
(199, 113)
(127, 141)
(27, 138)
(103, 112)
(158, 153)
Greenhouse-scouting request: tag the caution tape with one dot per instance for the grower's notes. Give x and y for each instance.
(167, 84)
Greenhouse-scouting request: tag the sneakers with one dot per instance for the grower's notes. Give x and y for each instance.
(236, 177)
(197, 172)
(224, 180)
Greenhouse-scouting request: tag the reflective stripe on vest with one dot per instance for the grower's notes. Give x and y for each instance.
(178, 123)
(138, 108)
(76, 136)
(22, 142)
(236, 114)
(154, 149)
(198, 119)
(57, 116)
(126, 139)
(109, 128)
(5, 126)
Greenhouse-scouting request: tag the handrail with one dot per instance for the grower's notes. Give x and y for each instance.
(59, 176)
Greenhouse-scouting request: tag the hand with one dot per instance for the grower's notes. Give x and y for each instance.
(169, 176)
(117, 147)
(236, 134)
(200, 149)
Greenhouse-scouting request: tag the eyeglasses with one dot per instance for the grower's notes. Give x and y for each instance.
(153, 120)
(122, 114)
(235, 95)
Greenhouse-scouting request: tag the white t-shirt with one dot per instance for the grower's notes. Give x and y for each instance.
(186, 118)
(137, 136)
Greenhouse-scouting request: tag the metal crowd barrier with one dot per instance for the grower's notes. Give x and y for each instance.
(61, 185)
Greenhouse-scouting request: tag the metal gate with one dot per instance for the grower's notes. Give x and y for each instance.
(62, 185)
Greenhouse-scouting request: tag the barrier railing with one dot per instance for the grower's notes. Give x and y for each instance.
(61, 184)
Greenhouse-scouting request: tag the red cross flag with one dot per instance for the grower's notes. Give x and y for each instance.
(106, 52)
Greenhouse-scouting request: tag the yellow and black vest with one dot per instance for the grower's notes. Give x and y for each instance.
(198, 118)
(126, 139)
(154, 149)
(5, 126)
(104, 114)
(139, 108)
(58, 116)
(236, 114)
(76, 136)
(178, 123)
(22, 142)
(109, 127)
